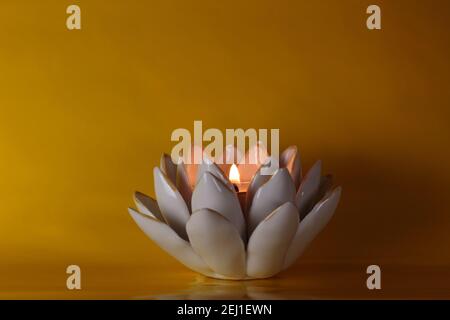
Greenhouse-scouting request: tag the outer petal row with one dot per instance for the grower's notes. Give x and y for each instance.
(274, 245)
(168, 240)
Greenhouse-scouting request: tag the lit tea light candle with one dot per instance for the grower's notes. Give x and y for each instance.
(241, 187)
(235, 179)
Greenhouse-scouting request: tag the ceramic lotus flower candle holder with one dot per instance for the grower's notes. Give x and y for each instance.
(202, 220)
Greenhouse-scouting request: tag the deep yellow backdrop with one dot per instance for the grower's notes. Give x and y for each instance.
(85, 115)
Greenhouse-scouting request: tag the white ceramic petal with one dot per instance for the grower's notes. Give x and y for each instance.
(269, 242)
(247, 166)
(326, 183)
(309, 188)
(290, 159)
(147, 205)
(168, 167)
(172, 205)
(183, 184)
(257, 181)
(311, 225)
(212, 193)
(217, 241)
(190, 165)
(208, 166)
(275, 192)
(169, 241)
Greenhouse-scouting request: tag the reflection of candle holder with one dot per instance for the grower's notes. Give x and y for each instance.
(254, 232)
(212, 289)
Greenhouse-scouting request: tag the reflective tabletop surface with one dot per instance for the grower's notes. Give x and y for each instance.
(303, 281)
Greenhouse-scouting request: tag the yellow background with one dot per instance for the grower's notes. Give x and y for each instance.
(85, 115)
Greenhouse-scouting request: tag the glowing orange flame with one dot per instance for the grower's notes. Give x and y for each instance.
(234, 175)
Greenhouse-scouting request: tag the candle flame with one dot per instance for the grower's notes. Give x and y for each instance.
(234, 175)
